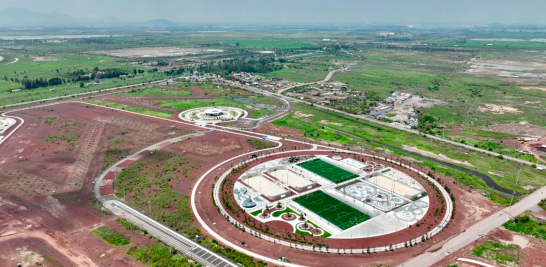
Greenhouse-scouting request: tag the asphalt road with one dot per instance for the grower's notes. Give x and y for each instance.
(474, 232)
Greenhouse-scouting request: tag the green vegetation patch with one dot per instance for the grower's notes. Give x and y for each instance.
(333, 210)
(112, 236)
(49, 120)
(259, 144)
(234, 255)
(324, 169)
(159, 255)
(154, 91)
(118, 148)
(146, 185)
(325, 233)
(62, 137)
(352, 131)
(256, 213)
(299, 75)
(494, 147)
(141, 110)
(488, 134)
(185, 104)
(525, 225)
(498, 252)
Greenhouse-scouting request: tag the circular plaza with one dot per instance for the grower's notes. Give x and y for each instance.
(211, 115)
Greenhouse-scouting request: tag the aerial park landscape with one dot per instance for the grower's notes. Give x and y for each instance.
(163, 143)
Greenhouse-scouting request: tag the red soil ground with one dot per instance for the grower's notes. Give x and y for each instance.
(59, 224)
(42, 167)
(197, 90)
(269, 128)
(280, 227)
(48, 214)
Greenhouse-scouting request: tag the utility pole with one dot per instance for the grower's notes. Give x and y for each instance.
(517, 180)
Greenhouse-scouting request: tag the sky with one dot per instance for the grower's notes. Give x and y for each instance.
(299, 11)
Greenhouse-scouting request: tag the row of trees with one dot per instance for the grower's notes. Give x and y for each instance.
(36, 83)
(252, 65)
(76, 76)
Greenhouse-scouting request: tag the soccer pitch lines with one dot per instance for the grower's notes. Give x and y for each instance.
(328, 171)
(332, 210)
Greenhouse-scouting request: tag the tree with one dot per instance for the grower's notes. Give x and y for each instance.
(81, 84)
(134, 71)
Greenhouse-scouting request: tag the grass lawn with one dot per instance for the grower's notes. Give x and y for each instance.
(493, 146)
(332, 210)
(324, 235)
(154, 91)
(281, 212)
(328, 171)
(299, 75)
(482, 133)
(74, 88)
(498, 252)
(141, 110)
(256, 213)
(185, 104)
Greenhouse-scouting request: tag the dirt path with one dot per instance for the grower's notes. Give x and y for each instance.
(61, 245)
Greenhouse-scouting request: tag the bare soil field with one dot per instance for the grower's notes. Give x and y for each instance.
(36, 230)
(514, 71)
(139, 101)
(534, 88)
(212, 144)
(48, 166)
(154, 52)
(197, 90)
(53, 151)
(498, 109)
(44, 59)
(269, 128)
(522, 128)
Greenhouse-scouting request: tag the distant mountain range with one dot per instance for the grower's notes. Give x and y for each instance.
(16, 17)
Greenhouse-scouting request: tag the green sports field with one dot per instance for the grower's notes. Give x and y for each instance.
(333, 173)
(333, 210)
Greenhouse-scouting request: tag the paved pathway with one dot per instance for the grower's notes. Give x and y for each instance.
(188, 247)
